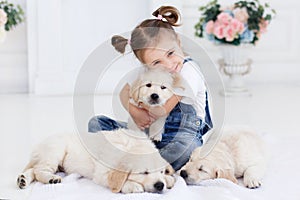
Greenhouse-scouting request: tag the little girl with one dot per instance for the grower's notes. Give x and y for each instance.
(156, 44)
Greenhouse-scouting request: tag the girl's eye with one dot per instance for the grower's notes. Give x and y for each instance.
(162, 87)
(170, 53)
(155, 63)
(148, 85)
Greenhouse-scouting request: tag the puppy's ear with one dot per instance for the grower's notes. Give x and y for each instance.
(177, 81)
(116, 180)
(227, 174)
(196, 154)
(135, 89)
(169, 170)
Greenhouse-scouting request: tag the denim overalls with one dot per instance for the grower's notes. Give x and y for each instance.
(183, 132)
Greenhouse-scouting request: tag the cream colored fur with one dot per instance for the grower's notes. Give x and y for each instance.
(154, 82)
(122, 160)
(239, 153)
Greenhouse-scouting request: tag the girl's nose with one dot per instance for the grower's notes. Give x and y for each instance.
(168, 64)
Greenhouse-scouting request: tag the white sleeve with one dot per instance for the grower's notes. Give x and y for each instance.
(193, 83)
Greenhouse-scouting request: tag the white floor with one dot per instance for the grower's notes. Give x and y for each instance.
(27, 119)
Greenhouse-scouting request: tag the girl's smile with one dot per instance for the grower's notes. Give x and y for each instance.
(167, 55)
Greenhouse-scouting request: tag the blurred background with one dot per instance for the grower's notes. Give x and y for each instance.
(44, 54)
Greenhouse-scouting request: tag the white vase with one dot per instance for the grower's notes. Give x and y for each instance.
(235, 63)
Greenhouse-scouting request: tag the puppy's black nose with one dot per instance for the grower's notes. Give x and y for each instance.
(154, 96)
(159, 186)
(183, 174)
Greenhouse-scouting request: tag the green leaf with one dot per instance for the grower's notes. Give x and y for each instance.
(268, 17)
(15, 14)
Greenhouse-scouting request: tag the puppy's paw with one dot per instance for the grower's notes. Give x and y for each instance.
(252, 183)
(55, 179)
(156, 138)
(170, 181)
(132, 187)
(22, 182)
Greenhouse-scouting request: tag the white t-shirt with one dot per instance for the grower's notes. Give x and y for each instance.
(195, 88)
(193, 83)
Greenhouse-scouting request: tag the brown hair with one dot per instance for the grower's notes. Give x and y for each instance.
(147, 31)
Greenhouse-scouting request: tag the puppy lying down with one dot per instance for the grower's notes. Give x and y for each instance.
(153, 88)
(123, 160)
(237, 154)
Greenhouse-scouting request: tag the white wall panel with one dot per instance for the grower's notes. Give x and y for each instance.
(13, 59)
(68, 31)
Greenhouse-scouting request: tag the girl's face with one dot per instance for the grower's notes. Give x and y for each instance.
(167, 54)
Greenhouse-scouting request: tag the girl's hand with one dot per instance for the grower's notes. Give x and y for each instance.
(141, 117)
(157, 111)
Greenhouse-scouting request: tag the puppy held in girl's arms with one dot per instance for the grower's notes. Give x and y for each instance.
(152, 90)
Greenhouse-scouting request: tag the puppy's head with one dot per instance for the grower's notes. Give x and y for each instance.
(149, 169)
(155, 181)
(141, 163)
(155, 87)
(217, 164)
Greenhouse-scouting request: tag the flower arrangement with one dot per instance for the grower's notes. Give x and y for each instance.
(243, 22)
(10, 16)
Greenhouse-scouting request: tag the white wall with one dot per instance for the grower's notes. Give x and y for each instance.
(61, 35)
(65, 33)
(13, 59)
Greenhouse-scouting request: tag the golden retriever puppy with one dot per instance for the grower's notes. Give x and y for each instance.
(237, 154)
(123, 160)
(154, 88)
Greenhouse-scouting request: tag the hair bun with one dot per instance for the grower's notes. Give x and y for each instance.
(170, 13)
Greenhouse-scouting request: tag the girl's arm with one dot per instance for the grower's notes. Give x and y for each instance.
(124, 96)
(139, 115)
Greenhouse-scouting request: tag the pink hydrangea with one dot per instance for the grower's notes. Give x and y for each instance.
(219, 31)
(3, 17)
(263, 25)
(224, 18)
(225, 27)
(241, 14)
(229, 34)
(209, 28)
(237, 26)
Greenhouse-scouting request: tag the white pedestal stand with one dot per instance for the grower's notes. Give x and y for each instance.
(235, 85)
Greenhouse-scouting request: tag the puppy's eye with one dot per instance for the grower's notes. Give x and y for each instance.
(148, 85)
(146, 172)
(167, 171)
(200, 168)
(163, 87)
